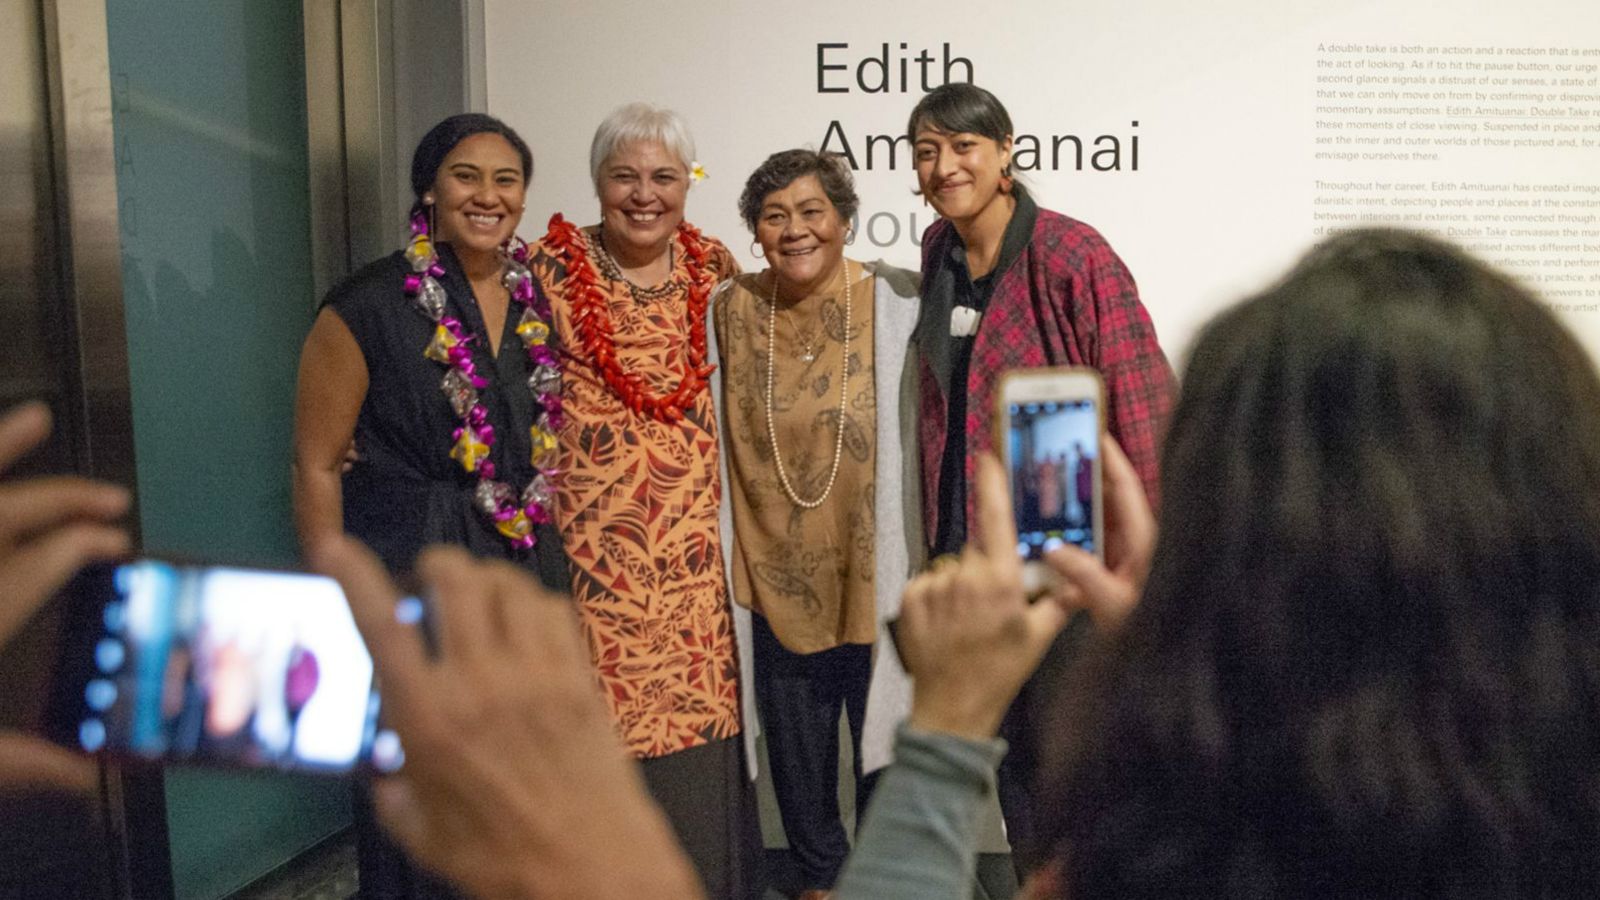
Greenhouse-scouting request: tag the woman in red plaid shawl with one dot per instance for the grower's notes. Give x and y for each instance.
(1008, 285)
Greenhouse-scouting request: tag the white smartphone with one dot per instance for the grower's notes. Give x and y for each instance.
(1050, 422)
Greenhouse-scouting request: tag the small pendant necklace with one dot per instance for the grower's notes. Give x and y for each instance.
(806, 351)
(610, 268)
(844, 394)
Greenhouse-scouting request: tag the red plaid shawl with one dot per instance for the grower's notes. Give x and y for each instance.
(1067, 300)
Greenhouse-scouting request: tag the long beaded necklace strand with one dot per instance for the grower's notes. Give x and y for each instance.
(844, 394)
(591, 319)
(512, 516)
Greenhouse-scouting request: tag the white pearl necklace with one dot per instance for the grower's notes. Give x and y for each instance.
(844, 385)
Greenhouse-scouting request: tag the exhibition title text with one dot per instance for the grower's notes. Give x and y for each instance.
(843, 68)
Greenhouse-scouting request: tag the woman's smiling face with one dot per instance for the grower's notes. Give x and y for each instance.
(478, 193)
(642, 191)
(802, 236)
(960, 173)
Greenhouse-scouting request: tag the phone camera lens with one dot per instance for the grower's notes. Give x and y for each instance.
(408, 611)
(100, 694)
(109, 655)
(92, 735)
(387, 754)
(116, 615)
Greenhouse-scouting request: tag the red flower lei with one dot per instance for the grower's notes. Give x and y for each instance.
(591, 318)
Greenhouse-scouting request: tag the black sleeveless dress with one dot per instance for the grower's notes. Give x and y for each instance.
(407, 493)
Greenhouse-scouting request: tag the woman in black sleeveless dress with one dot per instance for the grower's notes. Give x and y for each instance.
(435, 361)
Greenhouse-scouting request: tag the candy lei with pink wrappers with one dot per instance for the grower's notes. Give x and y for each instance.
(513, 515)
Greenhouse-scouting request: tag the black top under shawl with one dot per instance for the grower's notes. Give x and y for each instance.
(947, 286)
(406, 492)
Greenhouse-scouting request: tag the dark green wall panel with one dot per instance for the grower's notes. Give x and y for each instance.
(209, 111)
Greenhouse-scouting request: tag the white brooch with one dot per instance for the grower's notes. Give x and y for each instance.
(963, 321)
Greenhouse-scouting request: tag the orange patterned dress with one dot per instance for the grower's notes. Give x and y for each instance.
(637, 503)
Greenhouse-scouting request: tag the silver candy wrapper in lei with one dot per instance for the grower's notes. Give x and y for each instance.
(538, 492)
(460, 392)
(516, 273)
(431, 298)
(491, 495)
(544, 380)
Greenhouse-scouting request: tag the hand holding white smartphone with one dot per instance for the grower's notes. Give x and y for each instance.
(1049, 423)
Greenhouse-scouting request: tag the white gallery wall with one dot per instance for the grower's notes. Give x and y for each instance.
(1218, 140)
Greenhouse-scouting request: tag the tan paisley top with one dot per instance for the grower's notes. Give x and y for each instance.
(808, 571)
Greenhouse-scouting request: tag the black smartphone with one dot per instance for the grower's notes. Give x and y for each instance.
(217, 665)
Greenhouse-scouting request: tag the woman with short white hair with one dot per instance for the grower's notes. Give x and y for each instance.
(638, 498)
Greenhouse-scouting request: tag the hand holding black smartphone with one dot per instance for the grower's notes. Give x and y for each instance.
(217, 665)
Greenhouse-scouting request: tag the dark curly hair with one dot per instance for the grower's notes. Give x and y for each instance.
(443, 137)
(783, 168)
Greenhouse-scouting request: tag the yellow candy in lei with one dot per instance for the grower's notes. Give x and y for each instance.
(439, 348)
(469, 450)
(515, 527)
(543, 444)
(533, 332)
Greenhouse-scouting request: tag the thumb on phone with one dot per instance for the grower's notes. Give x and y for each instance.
(1110, 590)
(1085, 583)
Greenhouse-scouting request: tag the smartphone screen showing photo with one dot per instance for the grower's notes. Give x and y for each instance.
(221, 665)
(1052, 449)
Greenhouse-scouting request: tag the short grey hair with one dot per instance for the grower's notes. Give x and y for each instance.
(635, 123)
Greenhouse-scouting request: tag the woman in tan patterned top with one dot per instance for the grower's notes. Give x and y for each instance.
(638, 495)
(812, 352)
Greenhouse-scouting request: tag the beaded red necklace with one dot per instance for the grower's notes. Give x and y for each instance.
(591, 319)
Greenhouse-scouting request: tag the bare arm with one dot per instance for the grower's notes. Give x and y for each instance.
(333, 383)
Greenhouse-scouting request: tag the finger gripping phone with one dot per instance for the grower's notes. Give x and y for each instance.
(1050, 422)
(217, 665)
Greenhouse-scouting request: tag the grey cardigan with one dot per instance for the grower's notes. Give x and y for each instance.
(899, 552)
